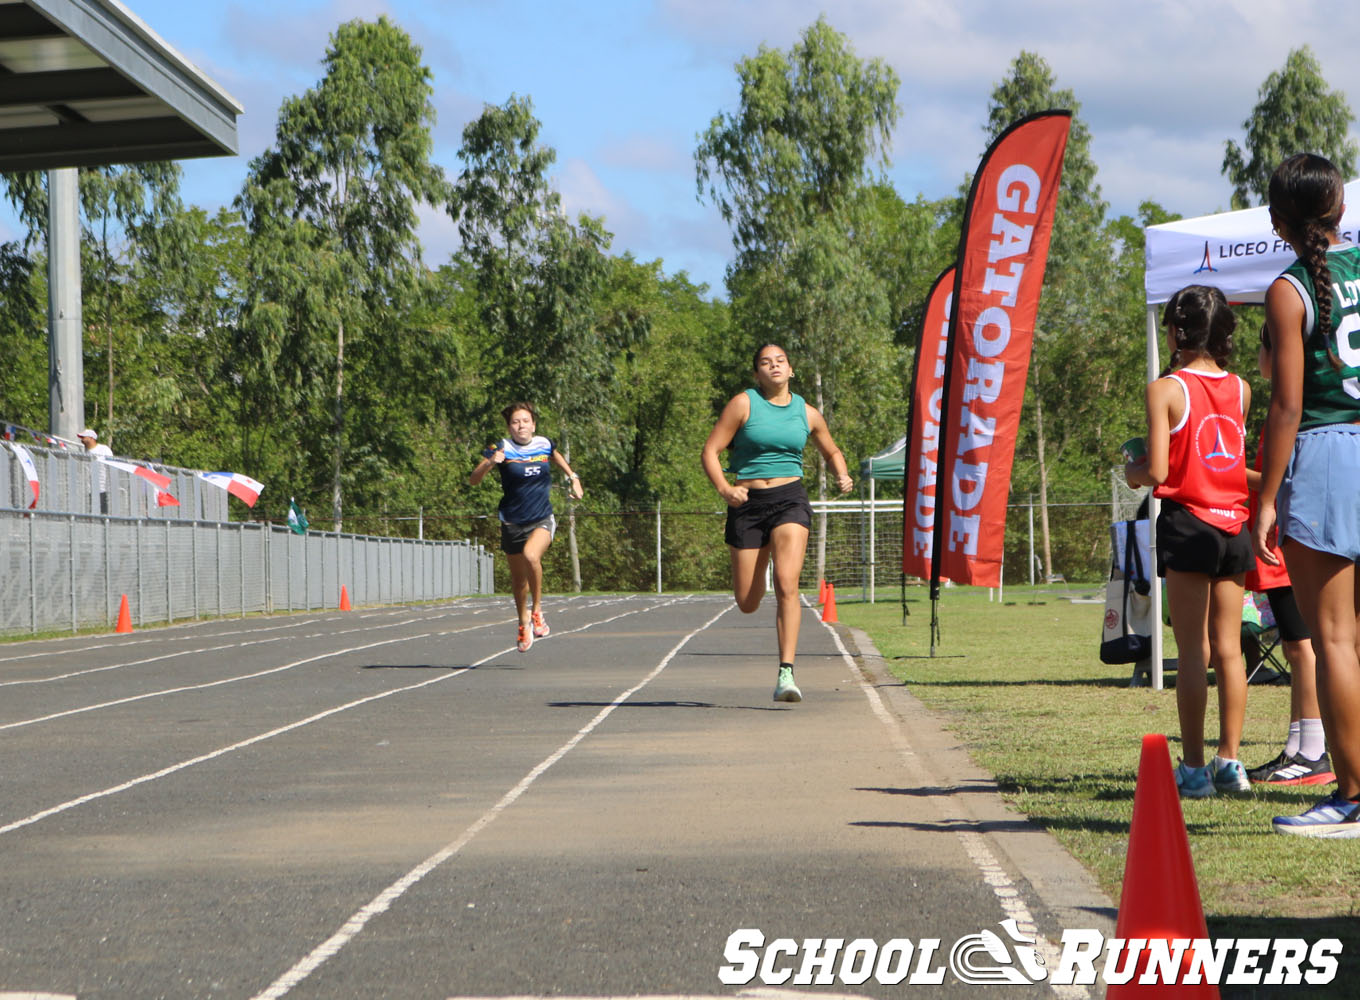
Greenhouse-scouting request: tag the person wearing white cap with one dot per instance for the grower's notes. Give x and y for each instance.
(90, 439)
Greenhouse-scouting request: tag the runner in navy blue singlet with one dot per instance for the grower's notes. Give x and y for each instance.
(525, 461)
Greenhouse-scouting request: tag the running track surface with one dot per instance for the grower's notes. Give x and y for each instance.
(395, 803)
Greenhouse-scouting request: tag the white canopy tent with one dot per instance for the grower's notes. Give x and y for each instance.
(1233, 251)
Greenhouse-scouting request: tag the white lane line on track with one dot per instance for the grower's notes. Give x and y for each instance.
(180, 630)
(136, 663)
(204, 649)
(222, 751)
(974, 844)
(225, 680)
(380, 903)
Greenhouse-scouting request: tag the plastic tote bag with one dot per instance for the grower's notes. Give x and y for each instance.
(1126, 635)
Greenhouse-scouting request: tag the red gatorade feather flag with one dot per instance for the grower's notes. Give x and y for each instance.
(1002, 254)
(923, 429)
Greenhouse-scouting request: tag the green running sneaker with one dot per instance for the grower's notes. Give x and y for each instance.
(784, 688)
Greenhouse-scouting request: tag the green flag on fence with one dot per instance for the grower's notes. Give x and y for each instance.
(297, 520)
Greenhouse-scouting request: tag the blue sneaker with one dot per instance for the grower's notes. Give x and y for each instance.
(1193, 782)
(1229, 775)
(1335, 817)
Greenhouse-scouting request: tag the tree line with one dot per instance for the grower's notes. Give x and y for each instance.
(300, 336)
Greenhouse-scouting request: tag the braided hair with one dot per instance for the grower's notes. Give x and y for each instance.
(1204, 324)
(1306, 193)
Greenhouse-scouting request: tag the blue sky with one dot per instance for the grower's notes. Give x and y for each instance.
(622, 88)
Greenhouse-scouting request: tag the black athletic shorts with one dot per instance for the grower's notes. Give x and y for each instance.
(749, 526)
(1288, 617)
(1189, 545)
(513, 536)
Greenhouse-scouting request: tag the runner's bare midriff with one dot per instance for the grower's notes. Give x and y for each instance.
(766, 484)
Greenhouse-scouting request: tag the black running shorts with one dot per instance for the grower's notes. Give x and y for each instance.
(749, 526)
(1189, 545)
(1288, 617)
(513, 536)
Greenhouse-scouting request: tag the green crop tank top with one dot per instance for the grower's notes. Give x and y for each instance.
(770, 443)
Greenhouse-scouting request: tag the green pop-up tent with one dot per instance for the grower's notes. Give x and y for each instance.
(887, 464)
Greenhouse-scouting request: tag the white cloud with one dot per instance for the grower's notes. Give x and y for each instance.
(438, 235)
(583, 192)
(1160, 83)
(640, 151)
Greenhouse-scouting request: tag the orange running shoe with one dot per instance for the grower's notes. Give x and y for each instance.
(541, 629)
(526, 638)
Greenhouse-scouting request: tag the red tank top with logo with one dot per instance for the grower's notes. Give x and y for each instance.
(1264, 576)
(1206, 466)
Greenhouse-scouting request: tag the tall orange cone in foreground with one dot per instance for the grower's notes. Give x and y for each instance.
(829, 612)
(1160, 899)
(821, 592)
(124, 619)
(344, 598)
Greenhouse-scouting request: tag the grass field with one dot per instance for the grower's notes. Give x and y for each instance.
(1020, 682)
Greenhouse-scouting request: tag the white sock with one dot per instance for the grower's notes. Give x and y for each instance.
(1312, 740)
(1291, 745)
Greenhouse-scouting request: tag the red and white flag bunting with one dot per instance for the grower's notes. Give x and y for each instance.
(30, 470)
(242, 487)
(150, 475)
(164, 498)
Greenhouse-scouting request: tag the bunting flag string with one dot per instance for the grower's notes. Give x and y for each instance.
(11, 432)
(150, 475)
(26, 460)
(163, 497)
(239, 485)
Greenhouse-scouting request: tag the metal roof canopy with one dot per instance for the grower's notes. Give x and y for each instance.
(87, 83)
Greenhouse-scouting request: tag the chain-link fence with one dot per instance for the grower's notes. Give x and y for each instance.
(664, 551)
(70, 571)
(864, 545)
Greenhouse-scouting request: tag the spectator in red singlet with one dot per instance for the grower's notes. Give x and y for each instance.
(1196, 463)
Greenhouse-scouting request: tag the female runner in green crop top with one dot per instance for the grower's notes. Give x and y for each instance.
(768, 514)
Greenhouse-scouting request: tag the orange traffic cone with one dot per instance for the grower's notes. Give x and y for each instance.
(344, 598)
(1160, 899)
(124, 619)
(829, 612)
(821, 592)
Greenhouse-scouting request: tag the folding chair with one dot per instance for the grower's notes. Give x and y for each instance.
(1261, 643)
